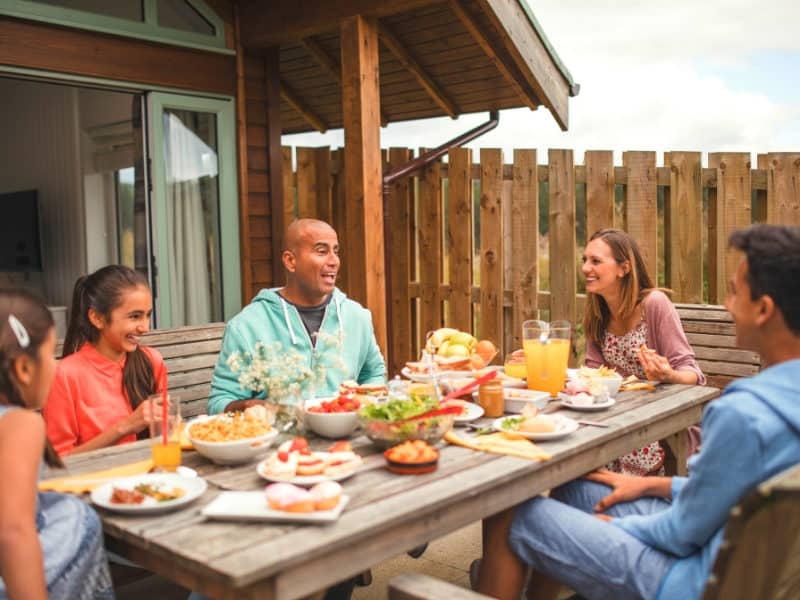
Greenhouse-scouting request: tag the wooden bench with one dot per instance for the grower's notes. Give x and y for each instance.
(190, 354)
(418, 586)
(712, 334)
(760, 552)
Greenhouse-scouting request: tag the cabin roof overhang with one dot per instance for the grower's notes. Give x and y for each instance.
(437, 58)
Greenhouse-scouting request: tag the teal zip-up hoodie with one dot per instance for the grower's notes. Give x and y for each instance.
(269, 318)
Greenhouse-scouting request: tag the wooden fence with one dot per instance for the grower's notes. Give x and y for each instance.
(466, 248)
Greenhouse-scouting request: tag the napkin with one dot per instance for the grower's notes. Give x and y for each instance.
(86, 482)
(500, 443)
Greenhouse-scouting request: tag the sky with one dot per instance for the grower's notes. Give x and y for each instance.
(702, 75)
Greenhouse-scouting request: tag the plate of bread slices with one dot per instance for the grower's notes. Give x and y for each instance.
(294, 462)
(323, 503)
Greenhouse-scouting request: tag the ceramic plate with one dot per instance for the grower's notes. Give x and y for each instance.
(427, 377)
(471, 411)
(566, 401)
(252, 506)
(193, 487)
(564, 426)
(304, 479)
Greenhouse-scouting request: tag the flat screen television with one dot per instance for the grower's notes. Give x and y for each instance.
(20, 246)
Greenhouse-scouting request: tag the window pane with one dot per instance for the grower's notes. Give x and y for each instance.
(193, 247)
(179, 14)
(123, 9)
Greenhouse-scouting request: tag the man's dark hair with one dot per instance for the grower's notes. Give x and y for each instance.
(773, 266)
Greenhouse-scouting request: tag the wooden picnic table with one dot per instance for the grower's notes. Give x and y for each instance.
(387, 514)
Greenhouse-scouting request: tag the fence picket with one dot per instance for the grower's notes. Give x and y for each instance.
(783, 188)
(430, 248)
(400, 210)
(641, 211)
(491, 313)
(561, 232)
(524, 243)
(459, 238)
(599, 190)
(685, 237)
(733, 210)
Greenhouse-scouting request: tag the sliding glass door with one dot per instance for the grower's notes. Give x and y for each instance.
(195, 209)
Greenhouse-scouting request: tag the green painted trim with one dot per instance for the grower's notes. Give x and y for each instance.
(148, 30)
(574, 88)
(230, 267)
(108, 83)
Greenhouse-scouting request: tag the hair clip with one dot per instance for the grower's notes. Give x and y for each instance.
(19, 331)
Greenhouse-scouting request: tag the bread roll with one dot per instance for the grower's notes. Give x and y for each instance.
(537, 425)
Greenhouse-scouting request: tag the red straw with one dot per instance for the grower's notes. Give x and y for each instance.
(164, 408)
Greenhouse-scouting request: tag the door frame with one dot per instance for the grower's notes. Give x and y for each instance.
(230, 268)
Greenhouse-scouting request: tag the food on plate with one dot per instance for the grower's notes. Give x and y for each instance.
(530, 421)
(462, 404)
(342, 403)
(326, 495)
(229, 427)
(486, 350)
(350, 387)
(633, 383)
(289, 498)
(143, 491)
(416, 451)
(294, 458)
(584, 392)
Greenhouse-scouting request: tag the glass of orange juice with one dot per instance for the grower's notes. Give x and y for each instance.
(546, 347)
(165, 432)
(514, 365)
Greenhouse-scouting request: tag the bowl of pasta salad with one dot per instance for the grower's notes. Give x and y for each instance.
(231, 438)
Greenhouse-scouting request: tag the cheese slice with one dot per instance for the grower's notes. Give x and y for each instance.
(500, 443)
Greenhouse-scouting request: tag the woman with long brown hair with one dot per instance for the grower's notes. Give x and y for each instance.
(51, 545)
(100, 393)
(632, 326)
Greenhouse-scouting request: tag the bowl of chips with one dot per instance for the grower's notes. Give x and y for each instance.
(230, 438)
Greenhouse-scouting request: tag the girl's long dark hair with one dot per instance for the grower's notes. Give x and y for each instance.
(37, 322)
(103, 291)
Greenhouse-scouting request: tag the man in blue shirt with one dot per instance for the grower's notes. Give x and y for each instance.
(617, 536)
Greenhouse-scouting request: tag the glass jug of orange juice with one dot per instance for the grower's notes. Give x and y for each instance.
(546, 347)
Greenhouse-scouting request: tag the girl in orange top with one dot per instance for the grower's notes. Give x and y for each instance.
(99, 394)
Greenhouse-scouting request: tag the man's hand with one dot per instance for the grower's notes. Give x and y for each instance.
(625, 487)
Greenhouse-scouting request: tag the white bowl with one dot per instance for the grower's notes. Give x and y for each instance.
(230, 453)
(330, 425)
(612, 384)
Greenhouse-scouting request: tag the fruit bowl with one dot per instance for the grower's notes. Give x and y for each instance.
(334, 425)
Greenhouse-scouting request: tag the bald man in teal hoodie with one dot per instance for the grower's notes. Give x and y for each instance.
(293, 315)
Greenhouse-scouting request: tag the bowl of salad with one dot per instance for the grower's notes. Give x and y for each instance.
(400, 419)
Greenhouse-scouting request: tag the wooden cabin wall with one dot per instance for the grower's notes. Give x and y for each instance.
(258, 218)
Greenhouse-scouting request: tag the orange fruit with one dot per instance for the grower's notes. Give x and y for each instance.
(486, 350)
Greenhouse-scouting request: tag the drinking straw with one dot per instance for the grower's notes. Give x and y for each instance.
(164, 408)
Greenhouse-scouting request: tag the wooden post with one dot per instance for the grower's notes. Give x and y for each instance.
(561, 231)
(641, 205)
(733, 211)
(338, 217)
(491, 312)
(362, 164)
(245, 243)
(314, 183)
(685, 239)
(783, 188)
(760, 208)
(400, 205)
(459, 237)
(599, 190)
(524, 243)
